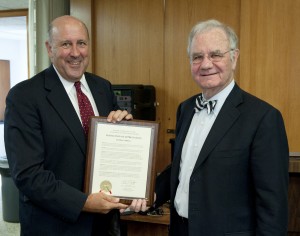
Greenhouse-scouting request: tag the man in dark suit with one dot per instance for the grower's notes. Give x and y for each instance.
(229, 174)
(46, 143)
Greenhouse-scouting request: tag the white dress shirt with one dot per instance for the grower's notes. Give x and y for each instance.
(71, 91)
(198, 131)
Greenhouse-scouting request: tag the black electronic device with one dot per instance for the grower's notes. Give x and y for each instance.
(139, 100)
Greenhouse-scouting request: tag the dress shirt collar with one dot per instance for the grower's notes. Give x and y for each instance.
(68, 85)
(221, 97)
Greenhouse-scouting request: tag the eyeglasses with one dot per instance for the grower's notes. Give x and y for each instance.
(212, 56)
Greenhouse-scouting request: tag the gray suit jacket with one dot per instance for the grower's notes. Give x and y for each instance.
(46, 150)
(239, 185)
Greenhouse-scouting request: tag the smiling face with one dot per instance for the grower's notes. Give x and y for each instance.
(68, 47)
(210, 76)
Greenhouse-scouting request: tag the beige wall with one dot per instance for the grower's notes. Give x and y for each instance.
(144, 42)
(269, 64)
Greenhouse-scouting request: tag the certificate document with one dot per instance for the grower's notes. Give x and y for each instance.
(121, 158)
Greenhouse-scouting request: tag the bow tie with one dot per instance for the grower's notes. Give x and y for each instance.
(201, 103)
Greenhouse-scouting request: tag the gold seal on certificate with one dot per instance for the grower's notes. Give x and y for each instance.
(106, 187)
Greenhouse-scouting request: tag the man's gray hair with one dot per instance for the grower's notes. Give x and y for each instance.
(208, 25)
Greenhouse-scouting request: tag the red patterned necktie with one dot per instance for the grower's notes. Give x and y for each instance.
(85, 107)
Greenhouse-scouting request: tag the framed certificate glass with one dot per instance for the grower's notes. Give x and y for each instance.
(121, 159)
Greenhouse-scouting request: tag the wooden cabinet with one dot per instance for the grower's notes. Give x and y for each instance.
(140, 225)
(294, 195)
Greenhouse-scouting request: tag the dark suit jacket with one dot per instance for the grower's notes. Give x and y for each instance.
(46, 150)
(239, 183)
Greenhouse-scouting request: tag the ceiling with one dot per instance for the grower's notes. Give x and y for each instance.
(13, 27)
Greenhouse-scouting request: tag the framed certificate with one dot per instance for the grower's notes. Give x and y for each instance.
(121, 159)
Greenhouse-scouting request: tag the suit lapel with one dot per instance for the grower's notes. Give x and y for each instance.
(226, 118)
(184, 124)
(59, 99)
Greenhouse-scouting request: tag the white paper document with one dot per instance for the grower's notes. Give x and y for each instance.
(121, 157)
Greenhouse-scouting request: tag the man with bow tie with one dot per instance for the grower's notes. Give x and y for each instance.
(229, 174)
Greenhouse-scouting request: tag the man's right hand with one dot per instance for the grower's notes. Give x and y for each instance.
(102, 203)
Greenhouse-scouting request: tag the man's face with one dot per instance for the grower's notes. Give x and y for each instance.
(69, 49)
(211, 76)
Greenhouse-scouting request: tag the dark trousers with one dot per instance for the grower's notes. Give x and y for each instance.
(179, 225)
(107, 224)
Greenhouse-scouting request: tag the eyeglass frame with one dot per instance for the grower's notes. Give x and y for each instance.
(209, 56)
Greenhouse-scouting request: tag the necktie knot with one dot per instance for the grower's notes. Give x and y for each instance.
(201, 104)
(77, 85)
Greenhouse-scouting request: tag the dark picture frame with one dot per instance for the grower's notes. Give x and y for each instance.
(121, 159)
